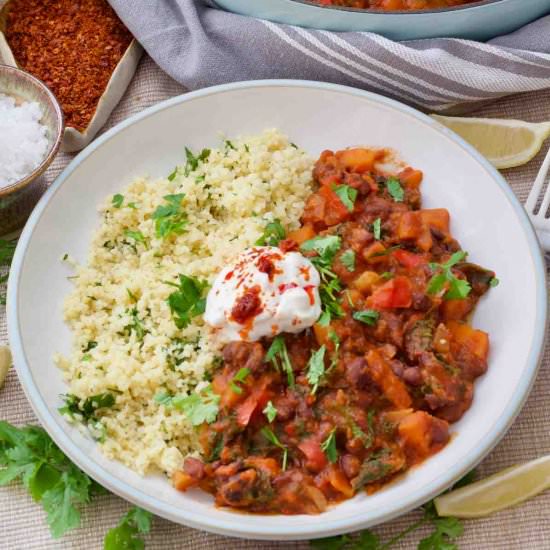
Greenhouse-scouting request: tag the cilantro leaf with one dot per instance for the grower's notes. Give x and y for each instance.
(329, 446)
(117, 200)
(270, 411)
(273, 234)
(316, 368)
(272, 438)
(347, 195)
(192, 161)
(169, 218)
(348, 259)
(377, 228)
(198, 407)
(172, 176)
(326, 247)
(125, 536)
(277, 354)
(367, 316)
(457, 289)
(137, 236)
(239, 377)
(188, 301)
(394, 188)
(494, 282)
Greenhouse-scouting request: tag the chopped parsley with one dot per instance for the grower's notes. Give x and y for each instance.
(348, 259)
(377, 228)
(273, 234)
(347, 195)
(172, 176)
(278, 355)
(192, 161)
(241, 375)
(117, 201)
(393, 185)
(494, 282)
(90, 346)
(272, 438)
(367, 316)
(198, 407)
(86, 410)
(316, 368)
(188, 301)
(136, 236)
(329, 447)
(126, 535)
(229, 145)
(136, 324)
(169, 218)
(457, 288)
(270, 411)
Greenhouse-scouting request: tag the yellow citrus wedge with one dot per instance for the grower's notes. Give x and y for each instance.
(505, 143)
(499, 491)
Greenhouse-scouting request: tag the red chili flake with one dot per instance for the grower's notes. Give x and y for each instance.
(304, 270)
(247, 306)
(288, 245)
(72, 45)
(228, 276)
(266, 265)
(309, 289)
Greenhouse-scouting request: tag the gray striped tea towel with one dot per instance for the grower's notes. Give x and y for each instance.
(200, 45)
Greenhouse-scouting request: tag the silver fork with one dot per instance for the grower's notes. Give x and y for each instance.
(539, 220)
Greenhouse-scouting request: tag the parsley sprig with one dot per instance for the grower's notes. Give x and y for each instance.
(316, 368)
(188, 301)
(170, 219)
(198, 407)
(272, 438)
(127, 534)
(52, 479)
(270, 411)
(277, 354)
(240, 376)
(192, 161)
(328, 446)
(347, 195)
(87, 411)
(457, 288)
(443, 537)
(326, 248)
(273, 234)
(393, 185)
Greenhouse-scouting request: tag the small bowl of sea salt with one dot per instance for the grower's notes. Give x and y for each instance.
(31, 130)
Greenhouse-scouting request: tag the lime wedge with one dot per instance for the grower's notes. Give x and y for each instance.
(505, 143)
(501, 490)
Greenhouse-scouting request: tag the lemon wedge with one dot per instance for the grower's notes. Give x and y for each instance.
(499, 491)
(505, 143)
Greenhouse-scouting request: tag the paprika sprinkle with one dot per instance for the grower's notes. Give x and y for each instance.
(71, 45)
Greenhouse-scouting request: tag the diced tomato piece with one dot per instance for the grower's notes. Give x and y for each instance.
(408, 259)
(335, 210)
(396, 293)
(358, 160)
(246, 409)
(315, 457)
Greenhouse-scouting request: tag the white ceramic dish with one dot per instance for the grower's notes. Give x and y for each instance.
(487, 219)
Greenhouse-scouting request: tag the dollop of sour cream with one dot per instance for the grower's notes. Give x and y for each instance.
(265, 292)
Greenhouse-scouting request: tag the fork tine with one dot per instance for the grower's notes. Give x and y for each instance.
(531, 201)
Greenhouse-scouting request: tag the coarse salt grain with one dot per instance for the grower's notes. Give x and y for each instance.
(23, 140)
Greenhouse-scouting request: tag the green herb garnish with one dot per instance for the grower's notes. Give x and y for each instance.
(348, 259)
(316, 368)
(377, 228)
(367, 316)
(198, 407)
(137, 236)
(347, 195)
(270, 411)
(241, 375)
(457, 288)
(273, 234)
(188, 301)
(51, 478)
(169, 218)
(86, 411)
(278, 355)
(393, 185)
(126, 535)
(117, 200)
(272, 438)
(136, 324)
(329, 447)
(192, 161)
(494, 282)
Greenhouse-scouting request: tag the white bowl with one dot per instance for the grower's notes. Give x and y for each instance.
(486, 218)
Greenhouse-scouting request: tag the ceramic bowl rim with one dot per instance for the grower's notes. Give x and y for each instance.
(20, 74)
(237, 525)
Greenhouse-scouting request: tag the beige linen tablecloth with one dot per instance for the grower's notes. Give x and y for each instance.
(22, 522)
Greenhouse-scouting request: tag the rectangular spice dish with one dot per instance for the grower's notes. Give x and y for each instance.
(94, 74)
